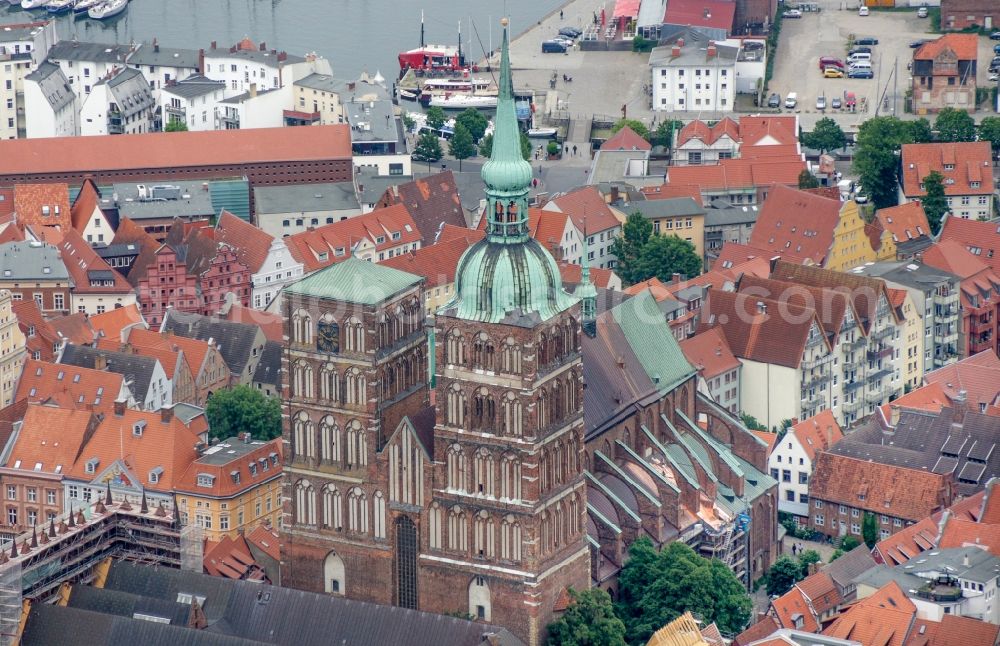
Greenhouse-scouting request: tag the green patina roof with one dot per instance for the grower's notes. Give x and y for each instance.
(354, 281)
(643, 325)
(506, 171)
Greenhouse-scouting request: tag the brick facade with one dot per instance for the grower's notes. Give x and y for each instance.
(167, 284)
(959, 14)
(226, 274)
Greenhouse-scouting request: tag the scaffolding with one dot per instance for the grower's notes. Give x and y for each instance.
(10, 602)
(192, 549)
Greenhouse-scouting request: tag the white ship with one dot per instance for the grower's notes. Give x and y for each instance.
(107, 9)
(462, 101)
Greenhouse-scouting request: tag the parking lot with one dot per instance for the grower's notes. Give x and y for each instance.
(803, 41)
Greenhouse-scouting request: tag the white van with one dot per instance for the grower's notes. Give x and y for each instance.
(859, 56)
(863, 11)
(791, 100)
(860, 65)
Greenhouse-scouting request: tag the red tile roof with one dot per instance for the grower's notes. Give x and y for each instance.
(111, 323)
(271, 324)
(793, 611)
(128, 232)
(267, 540)
(168, 150)
(626, 139)
(223, 485)
(50, 437)
(769, 130)
(250, 243)
(930, 398)
(709, 352)
(883, 619)
(432, 202)
(763, 628)
(733, 254)
(573, 274)
(821, 592)
(587, 208)
(976, 275)
(716, 14)
(87, 200)
(831, 305)
(905, 222)
(698, 129)
(548, 228)
(769, 438)
(970, 161)
(437, 262)
(964, 46)
(42, 204)
(75, 328)
(69, 386)
(171, 359)
(307, 246)
(818, 433)
(981, 239)
(910, 494)
(231, 558)
(154, 343)
(672, 190)
(40, 337)
(6, 202)
(739, 174)
(767, 152)
(81, 259)
(961, 631)
(797, 222)
(978, 376)
(926, 534)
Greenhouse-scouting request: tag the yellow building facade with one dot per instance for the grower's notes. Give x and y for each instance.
(852, 241)
(912, 349)
(12, 349)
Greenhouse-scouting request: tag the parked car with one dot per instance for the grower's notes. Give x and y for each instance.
(922, 12)
(995, 35)
(850, 101)
(792, 13)
(821, 103)
(553, 47)
(866, 40)
(863, 11)
(571, 32)
(917, 43)
(791, 100)
(861, 198)
(835, 103)
(994, 77)
(774, 101)
(996, 49)
(833, 73)
(860, 73)
(568, 42)
(830, 61)
(859, 50)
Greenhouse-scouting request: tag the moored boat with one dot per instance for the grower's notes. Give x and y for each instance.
(462, 101)
(59, 6)
(83, 6)
(107, 9)
(33, 4)
(542, 133)
(409, 95)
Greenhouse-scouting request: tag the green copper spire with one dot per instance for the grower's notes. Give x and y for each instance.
(507, 277)
(507, 174)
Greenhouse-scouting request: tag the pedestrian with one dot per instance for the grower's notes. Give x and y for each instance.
(574, 150)
(793, 549)
(560, 14)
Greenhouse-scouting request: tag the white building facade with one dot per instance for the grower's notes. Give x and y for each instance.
(693, 74)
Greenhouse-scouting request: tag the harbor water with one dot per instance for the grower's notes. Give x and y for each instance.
(355, 35)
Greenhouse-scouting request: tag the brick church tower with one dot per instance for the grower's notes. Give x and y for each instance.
(477, 504)
(506, 526)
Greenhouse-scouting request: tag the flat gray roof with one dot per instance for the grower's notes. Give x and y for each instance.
(74, 50)
(147, 54)
(194, 200)
(303, 198)
(227, 450)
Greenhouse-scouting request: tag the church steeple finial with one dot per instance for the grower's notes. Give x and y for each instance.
(507, 174)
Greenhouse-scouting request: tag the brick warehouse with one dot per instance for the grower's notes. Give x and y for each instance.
(266, 156)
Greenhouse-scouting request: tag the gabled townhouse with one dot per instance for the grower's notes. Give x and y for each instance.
(96, 287)
(787, 360)
(693, 73)
(979, 304)
(247, 62)
(844, 489)
(131, 242)
(376, 236)
(740, 181)
(791, 461)
(981, 239)
(163, 284)
(967, 168)
(42, 342)
(241, 344)
(35, 270)
(907, 225)
(163, 66)
(22, 48)
(433, 202)
(87, 217)
(944, 74)
(193, 101)
(590, 215)
(205, 362)
(870, 341)
(267, 257)
(698, 143)
(912, 337)
(12, 348)
(935, 296)
(34, 466)
(50, 103)
(145, 376)
(131, 454)
(65, 386)
(114, 323)
(267, 375)
(974, 381)
(232, 487)
(42, 205)
(84, 64)
(214, 265)
(679, 216)
(172, 359)
(293, 208)
(717, 365)
(830, 233)
(120, 103)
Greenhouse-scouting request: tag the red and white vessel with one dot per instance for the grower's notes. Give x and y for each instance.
(433, 58)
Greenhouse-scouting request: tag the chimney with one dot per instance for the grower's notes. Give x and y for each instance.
(615, 196)
(621, 362)
(167, 414)
(675, 278)
(282, 57)
(156, 46)
(961, 396)
(119, 407)
(245, 436)
(675, 51)
(253, 90)
(214, 44)
(201, 60)
(100, 362)
(893, 415)
(680, 42)
(965, 559)
(711, 49)
(263, 46)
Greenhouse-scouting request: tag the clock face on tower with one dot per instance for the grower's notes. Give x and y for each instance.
(328, 337)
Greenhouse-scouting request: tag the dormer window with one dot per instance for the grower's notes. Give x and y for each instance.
(949, 166)
(274, 459)
(253, 468)
(91, 466)
(31, 330)
(138, 427)
(395, 235)
(324, 256)
(45, 209)
(379, 239)
(235, 475)
(339, 251)
(206, 480)
(155, 475)
(974, 184)
(264, 466)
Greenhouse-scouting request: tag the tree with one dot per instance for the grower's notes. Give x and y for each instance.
(783, 575)
(837, 553)
(920, 131)
(664, 256)
(525, 147)
(664, 134)
(435, 117)
(875, 159)
(989, 130)
(461, 147)
(655, 588)
(807, 179)
(934, 202)
(869, 529)
(826, 135)
(806, 559)
(626, 247)
(474, 121)
(955, 125)
(242, 409)
(848, 543)
(408, 122)
(636, 125)
(428, 147)
(486, 145)
(590, 620)
(175, 125)
(752, 423)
